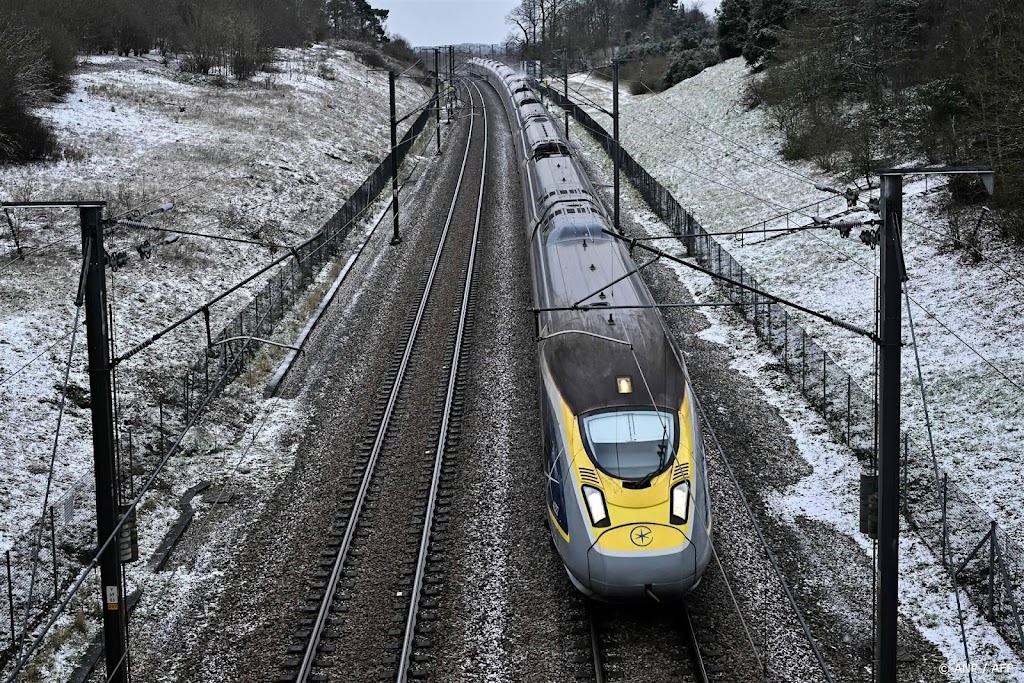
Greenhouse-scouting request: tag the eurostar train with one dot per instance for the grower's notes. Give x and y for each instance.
(627, 488)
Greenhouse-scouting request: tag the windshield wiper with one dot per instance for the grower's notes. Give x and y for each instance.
(645, 481)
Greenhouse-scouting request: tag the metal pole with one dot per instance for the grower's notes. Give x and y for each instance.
(437, 97)
(107, 489)
(615, 136)
(992, 572)
(565, 70)
(53, 551)
(891, 205)
(396, 239)
(451, 80)
(10, 598)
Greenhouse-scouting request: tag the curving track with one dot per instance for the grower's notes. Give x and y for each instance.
(364, 611)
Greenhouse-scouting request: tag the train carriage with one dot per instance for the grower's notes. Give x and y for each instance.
(627, 493)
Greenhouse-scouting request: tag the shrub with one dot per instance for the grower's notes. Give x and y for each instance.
(25, 83)
(399, 48)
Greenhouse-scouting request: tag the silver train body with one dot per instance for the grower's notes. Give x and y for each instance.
(627, 491)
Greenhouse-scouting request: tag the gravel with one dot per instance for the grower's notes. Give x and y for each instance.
(241, 571)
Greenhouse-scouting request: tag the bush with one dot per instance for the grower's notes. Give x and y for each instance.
(399, 48)
(26, 82)
(689, 63)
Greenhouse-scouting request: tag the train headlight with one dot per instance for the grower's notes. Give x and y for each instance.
(680, 502)
(596, 507)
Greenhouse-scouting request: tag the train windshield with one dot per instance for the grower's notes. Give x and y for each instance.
(631, 444)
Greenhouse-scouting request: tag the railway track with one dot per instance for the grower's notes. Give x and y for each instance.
(362, 617)
(629, 643)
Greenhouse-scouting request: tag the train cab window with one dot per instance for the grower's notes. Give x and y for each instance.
(528, 100)
(546, 149)
(631, 444)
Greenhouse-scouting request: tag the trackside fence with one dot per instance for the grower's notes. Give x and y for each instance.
(975, 550)
(69, 530)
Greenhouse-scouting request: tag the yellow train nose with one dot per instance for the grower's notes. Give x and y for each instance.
(641, 537)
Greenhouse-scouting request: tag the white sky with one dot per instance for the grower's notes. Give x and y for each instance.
(444, 22)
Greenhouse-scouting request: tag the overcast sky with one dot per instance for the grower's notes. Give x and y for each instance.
(444, 22)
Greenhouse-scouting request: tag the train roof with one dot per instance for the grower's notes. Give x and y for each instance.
(584, 367)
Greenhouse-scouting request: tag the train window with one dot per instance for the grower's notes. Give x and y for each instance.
(570, 210)
(563, 192)
(631, 444)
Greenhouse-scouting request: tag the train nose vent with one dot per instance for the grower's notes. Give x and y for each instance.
(589, 476)
(681, 471)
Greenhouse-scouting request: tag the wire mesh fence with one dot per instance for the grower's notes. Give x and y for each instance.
(976, 551)
(68, 538)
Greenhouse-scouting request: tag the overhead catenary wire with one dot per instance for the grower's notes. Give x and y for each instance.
(848, 257)
(783, 170)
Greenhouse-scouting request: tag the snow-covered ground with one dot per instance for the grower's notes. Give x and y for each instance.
(267, 161)
(721, 160)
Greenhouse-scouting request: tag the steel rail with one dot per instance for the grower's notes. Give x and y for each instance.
(696, 659)
(421, 561)
(797, 612)
(320, 622)
(597, 658)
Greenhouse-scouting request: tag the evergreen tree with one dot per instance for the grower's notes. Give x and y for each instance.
(733, 17)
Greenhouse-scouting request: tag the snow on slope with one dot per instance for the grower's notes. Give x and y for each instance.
(269, 161)
(721, 160)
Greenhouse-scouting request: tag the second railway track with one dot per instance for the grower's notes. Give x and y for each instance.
(363, 605)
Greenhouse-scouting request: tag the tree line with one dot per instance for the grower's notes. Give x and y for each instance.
(858, 84)
(664, 42)
(853, 85)
(39, 40)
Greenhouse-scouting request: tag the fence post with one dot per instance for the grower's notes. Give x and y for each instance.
(131, 464)
(785, 341)
(824, 384)
(161, 408)
(803, 361)
(755, 314)
(770, 345)
(849, 386)
(53, 552)
(992, 572)
(10, 597)
(903, 473)
(945, 479)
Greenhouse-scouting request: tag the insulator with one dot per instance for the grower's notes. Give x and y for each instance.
(128, 537)
(869, 237)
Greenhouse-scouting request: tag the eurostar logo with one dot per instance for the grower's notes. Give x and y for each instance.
(641, 535)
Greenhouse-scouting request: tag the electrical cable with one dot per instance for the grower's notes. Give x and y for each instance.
(855, 261)
(974, 250)
(49, 475)
(186, 186)
(39, 355)
(27, 250)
